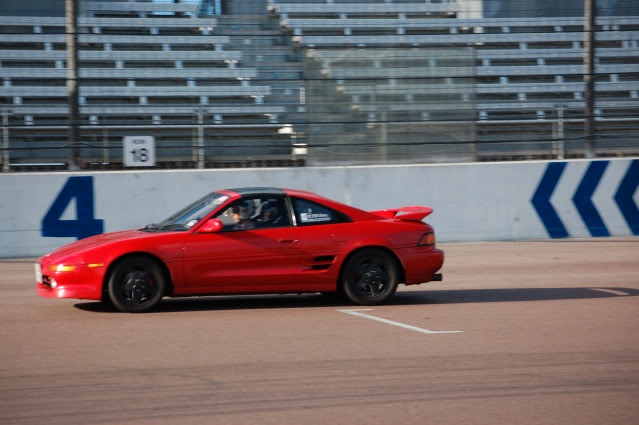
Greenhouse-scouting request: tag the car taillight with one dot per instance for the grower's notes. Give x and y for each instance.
(427, 239)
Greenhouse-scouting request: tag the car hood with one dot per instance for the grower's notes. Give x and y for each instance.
(99, 240)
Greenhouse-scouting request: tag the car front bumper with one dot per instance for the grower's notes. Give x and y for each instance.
(82, 283)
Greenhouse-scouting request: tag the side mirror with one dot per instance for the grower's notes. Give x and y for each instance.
(212, 226)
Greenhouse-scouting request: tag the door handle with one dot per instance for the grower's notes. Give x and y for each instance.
(289, 241)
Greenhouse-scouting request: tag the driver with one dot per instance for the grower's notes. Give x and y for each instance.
(242, 214)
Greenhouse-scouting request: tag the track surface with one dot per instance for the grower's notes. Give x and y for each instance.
(549, 335)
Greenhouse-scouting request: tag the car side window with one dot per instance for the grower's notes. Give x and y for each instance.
(255, 213)
(310, 213)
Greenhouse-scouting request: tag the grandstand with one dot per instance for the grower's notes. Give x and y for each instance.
(292, 82)
(528, 88)
(144, 69)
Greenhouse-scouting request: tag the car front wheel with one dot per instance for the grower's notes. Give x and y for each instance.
(370, 277)
(137, 284)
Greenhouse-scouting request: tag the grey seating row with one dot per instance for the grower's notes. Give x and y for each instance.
(122, 55)
(104, 91)
(150, 72)
(138, 110)
(455, 39)
(107, 39)
(94, 24)
(94, 7)
(480, 71)
(361, 8)
(345, 24)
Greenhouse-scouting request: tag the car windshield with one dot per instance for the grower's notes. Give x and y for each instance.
(190, 215)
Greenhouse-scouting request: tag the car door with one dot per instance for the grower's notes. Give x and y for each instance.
(262, 257)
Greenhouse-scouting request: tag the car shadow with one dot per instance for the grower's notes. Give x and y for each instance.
(509, 295)
(426, 297)
(229, 302)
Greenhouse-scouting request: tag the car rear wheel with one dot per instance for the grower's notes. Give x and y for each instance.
(370, 277)
(137, 284)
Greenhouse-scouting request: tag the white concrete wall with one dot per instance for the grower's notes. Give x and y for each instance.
(472, 202)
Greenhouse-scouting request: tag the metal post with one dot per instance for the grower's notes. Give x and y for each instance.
(5, 140)
(384, 140)
(200, 138)
(555, 137)
(560, 131)
(105, 146)
(72, 82)
(589, 77)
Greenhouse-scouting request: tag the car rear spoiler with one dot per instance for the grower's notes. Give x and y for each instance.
(405, 213)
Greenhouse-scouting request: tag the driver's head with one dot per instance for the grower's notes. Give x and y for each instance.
(242, 212)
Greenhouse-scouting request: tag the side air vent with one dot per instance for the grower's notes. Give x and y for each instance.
(323, 262)
(325, 258)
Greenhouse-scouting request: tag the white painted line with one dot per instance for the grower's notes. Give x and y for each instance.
(356, 312)
(611, 291)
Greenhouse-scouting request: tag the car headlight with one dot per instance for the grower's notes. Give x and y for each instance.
(61, 268)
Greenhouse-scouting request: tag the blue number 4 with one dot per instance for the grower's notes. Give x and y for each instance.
(85, 225)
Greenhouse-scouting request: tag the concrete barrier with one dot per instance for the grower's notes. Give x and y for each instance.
(472, 202)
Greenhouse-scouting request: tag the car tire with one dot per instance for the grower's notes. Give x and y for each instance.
(370, 277)
(136, 284)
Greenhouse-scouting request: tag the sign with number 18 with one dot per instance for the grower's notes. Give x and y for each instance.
(139, 151)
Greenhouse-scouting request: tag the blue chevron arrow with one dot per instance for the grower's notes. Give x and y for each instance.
(624, 195)
(541, 200)
(583, 203)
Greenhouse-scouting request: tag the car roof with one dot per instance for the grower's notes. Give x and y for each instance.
(248, 191)
(255, 191)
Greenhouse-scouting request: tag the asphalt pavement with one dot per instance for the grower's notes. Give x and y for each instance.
(537, 332)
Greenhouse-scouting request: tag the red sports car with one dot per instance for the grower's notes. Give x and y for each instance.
(247, 241)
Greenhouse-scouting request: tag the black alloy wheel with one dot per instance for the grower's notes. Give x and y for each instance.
(137, 284)
(370, 277)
